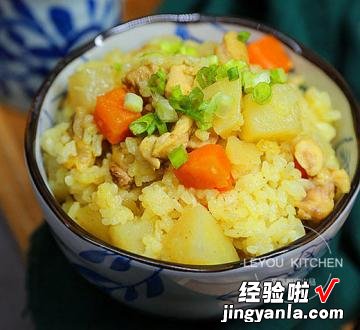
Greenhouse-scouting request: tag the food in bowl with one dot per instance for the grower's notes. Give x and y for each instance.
(195, 153)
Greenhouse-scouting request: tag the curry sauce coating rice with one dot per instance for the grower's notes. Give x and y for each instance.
(116, 193)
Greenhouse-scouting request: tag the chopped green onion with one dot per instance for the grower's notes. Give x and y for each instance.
(160, 125)
(247, 78)
(262, 76)
(178, 156)
(170, 46)
(176, 93)
(157, 82)
(192, 105)
(165, 111)
(142, 124)
(152, 128)
(233, 73)
(117, 66)
(206, 76)
(133, 102)
(196, 96)
(243, 36)
(213, 59)
(278, 75)
(188, 50)
(223, 69)
(239, 63)
(206, 115)
(261, 92)
(251, 79)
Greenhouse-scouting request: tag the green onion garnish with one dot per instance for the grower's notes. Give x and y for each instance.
(157, 82)
(233, 73)
(196, 96)
(133, 102)
(160, 125)
(261, 92)
(251, 79)
(222, 69)
(194, 106)
(117, 66)
(188, 50)
(278, 75)
(152, 128)
(243, 36)
(262, 76)
(165, 111)
(178, 156)
(148, 124)
(206, 76)
(213, 59)
(170, 46)
(206, 115)
(143, 124)
(247, 78)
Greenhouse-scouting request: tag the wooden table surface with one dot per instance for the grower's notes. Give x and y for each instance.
(17, 200)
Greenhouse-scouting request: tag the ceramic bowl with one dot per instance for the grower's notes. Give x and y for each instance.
(162, 287)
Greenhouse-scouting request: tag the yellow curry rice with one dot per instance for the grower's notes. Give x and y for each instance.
(132, 199)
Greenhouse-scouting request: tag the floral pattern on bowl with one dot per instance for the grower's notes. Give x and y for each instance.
(36, 34)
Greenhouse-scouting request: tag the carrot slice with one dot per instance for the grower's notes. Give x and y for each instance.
(110, 116)
(269, 53)
(304, 174)
(207, 168)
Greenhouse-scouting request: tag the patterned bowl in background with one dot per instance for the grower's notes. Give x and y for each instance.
(166, 288)
(35, 34)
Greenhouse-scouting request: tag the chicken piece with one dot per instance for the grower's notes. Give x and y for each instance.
(232, 48)
(309, 156)
(146, 148)
(318, 203)
(199, 139)
(138, 77)
(169, 141)
(341, 180)
(120, 176)
(181, 75)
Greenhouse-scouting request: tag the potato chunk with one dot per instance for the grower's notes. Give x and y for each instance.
(227, 121)
(232, 48)
(244, 156)
(129, 236)
(90, 220)
(89, 81)
(197, 239)
(279, 119)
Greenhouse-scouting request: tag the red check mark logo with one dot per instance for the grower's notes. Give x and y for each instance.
(325, 295)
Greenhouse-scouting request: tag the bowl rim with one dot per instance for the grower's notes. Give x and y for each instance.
(55, 207)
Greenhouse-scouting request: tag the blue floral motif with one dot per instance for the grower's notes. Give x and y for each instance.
(120, 264)
(94, 256)
(30, 43)
(153, 283)
(182, 31)
(343, 152)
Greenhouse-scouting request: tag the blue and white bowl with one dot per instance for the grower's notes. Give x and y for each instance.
(35, 35)
(166, 288)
